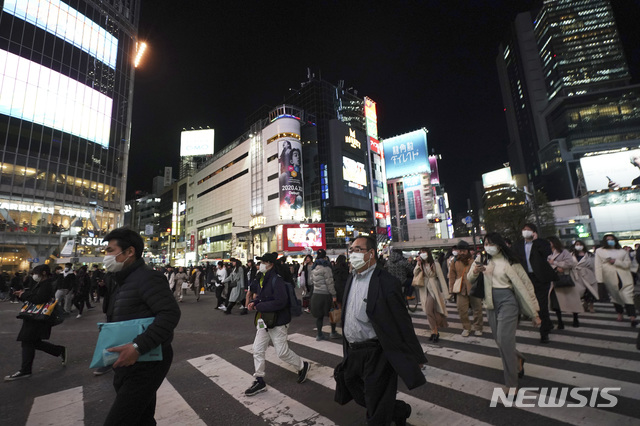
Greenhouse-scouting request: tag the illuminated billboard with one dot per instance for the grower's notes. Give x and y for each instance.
(497, 177)
(413, 197)
(291, 189)
(616, 211)
(371, 117)
(35, 93)
(617, 170)
(196, 142)
(433, 165)
(62, 21)
(406, 154)
(304, 237)
(354, 174)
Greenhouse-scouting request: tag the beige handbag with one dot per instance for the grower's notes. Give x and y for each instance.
(457, 286)
(418, 279)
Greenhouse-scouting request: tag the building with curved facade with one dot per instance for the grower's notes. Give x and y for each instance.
(66, 70)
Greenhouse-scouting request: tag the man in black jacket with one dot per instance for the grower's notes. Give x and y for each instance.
(533, 253)
(379, 342)
(137, 291)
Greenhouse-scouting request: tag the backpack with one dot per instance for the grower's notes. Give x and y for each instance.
(295, 305)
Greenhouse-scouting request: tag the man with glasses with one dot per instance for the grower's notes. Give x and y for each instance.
(379, 342)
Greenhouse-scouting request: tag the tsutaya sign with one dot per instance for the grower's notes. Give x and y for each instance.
(43, 209)
(351, 140)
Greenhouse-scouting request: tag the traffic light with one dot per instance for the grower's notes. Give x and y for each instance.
(435, 220)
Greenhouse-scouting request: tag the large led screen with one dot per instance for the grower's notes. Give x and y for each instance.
(196, 142)
(406, 154)
(355, 177)
(291, 188)
(617, 170)
(303, 237)
(616, 211)
(497, 177)
(35, 93)
(413, 197)
(59, 19)
(433, 165)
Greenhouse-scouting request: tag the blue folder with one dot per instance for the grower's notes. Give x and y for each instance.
(119, 333)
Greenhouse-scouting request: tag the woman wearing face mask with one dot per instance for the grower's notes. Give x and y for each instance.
(434, 293)
(563, 299)
(583, 274)
(508, 294)
(613, 269)
(34, 333)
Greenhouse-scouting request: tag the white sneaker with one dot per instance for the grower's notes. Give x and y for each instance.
(477, 333)
(79, 316)
(465, 333)
(222, 308)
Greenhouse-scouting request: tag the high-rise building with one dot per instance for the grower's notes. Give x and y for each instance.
(566, 92)
(66, 91)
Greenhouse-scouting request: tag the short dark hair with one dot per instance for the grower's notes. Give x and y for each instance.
(531, 226)
(68, 265)
(126, 238)
(42, 268)
(371, 244)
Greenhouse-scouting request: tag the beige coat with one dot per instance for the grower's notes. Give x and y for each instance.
(568, 297)
(434, 285)
(584, 275)
(521, 285)
(608, 274)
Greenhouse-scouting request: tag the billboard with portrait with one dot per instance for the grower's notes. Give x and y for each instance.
(433, 165)
(354, 175)
(617, 170)
(406, 154)
(304, 237)
(291, 187)
(413, 197)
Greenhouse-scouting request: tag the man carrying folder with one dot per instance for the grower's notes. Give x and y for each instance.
(137, 291)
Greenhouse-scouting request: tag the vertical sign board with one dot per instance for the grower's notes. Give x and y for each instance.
(291, 187)
(413, 196)
(168, 176)
(406, 154)
(371, 117)
(433, 165)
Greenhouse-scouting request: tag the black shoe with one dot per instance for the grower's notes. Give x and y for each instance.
(227, 312)
(257, 387)
(576, 323)
(302, 374)
(244, 311)
(544, 339)
(432, 338)
(560, 326)
(102, 370)
(521, 372)
(437, 338)
(16, 376)
(402, 419)
(64, 355)
(634, 323)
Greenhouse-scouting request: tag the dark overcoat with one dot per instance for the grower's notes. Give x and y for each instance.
(41, 292)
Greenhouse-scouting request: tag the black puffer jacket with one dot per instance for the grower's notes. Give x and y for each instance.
(140, 292)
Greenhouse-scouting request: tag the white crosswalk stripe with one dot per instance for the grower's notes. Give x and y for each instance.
(459, 367)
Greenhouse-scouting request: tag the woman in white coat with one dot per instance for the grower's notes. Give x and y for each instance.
(563, 299)
(508, 293)
(613, 269)
(584, 275)
(433, 293)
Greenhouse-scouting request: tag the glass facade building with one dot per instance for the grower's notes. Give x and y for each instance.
(65, 118)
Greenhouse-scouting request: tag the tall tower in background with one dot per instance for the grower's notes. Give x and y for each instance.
(67, 71)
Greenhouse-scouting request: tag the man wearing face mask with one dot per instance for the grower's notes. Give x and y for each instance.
(379, 341)
(272, 322)
(34, 333)
(533, 253)
(137, 291)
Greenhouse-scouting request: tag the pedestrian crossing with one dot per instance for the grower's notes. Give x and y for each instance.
(462, 374)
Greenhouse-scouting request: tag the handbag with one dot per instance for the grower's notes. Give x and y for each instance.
(120, 333)
(57, 316)
(418, 279)
(42, 312)
(564, 281)
(457, 286)
(477, 288)
(335, 314)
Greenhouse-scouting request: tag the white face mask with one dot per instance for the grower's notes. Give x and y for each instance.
(455, 252)
(111, 264)
(579, 248)
(36, 278)
(263, 268)
(492, 250)
(423, 256)
(357, 261)
(526, 234)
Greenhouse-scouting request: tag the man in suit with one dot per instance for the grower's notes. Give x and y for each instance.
(379, 341)
(533, 253)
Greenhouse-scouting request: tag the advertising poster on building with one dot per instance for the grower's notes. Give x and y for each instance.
(406, 154)
(610, 171)
(433, 165)
(413, 197)
(304, 237)
(291, 185)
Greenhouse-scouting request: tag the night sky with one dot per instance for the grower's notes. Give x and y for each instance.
(426, 64)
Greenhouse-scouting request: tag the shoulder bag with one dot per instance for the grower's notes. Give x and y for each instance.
(418, 279)
(42, 312)
(477, 288)
(563, 281)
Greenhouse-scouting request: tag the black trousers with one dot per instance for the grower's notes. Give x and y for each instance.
(219, 290)
(373, 383)
(631, 309)
(542, 294)
(136, 388)
(29, 348)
